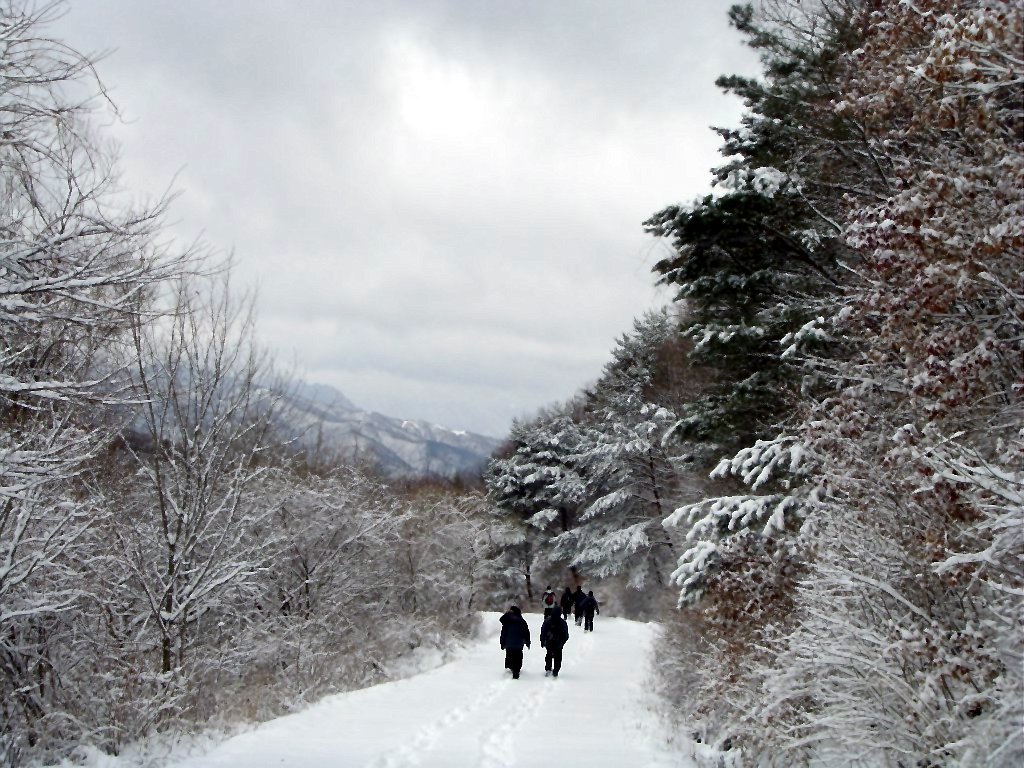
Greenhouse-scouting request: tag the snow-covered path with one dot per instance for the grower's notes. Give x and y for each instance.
(471, 713)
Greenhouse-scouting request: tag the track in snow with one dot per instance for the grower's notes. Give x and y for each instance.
(470, 714)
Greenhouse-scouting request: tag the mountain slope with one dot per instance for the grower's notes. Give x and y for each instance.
(329, 424)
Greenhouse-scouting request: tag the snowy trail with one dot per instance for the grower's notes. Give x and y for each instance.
(470, 713)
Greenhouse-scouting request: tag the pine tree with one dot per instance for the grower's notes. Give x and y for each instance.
(756, 266)
(594, 481)
(628, 458)
(540, 481)
(539, 484)
(751, 262)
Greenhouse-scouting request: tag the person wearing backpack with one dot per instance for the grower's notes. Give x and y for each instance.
(567, 603)
(589, 606)
(554, 634)
(515, 633)
(548, 600)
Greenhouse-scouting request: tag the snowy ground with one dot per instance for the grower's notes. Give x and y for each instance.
(469, 713)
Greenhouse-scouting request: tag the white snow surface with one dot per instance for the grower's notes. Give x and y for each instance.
(470, 713)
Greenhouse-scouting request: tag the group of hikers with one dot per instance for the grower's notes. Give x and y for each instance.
(554, 632)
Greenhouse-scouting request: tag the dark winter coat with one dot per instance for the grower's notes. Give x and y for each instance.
(567, 600)
(554, 633)
(515, 632)
(578, 597)
(589, 605)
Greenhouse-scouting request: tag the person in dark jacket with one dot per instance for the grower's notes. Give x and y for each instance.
(577, 604)
(515, 633)
(567, 603)
(554, 634)
(589, 606)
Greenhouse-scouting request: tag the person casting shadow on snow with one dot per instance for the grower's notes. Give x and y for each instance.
(515, 633)
(589, 606)
(554, 634)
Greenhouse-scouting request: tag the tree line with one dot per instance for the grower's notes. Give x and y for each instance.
(819, 443)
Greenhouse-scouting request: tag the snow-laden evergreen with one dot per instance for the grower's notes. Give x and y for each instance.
(595, 480)
(629, 458)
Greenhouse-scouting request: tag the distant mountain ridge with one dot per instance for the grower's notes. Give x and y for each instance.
(329, 423)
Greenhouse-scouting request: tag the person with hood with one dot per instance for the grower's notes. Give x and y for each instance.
(577, 604)
(515, 633)
(589, 606)
(548, 600)
(554, 634)
(567, 603)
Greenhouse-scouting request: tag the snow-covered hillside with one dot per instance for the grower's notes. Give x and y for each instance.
(330, 423)
(469, 713)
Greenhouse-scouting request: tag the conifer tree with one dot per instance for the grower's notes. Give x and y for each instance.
(594, 481)
(628, 457)
(751, 261)
(541, 480)
(755, 266)
(539, 484)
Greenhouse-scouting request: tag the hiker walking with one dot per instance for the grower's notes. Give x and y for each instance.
(577, 604)
(567, 603)
(515, 633)
(590, 606)
(548, 600)
(554, 634)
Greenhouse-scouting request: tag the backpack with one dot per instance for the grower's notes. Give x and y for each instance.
(549, 598)
(558, 631)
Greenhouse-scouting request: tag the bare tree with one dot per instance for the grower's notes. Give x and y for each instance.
(210, 399)
(76, 269)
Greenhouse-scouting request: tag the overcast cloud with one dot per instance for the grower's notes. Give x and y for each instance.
(439, 200)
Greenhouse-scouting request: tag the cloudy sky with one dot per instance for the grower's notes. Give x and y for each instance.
(440, 201)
